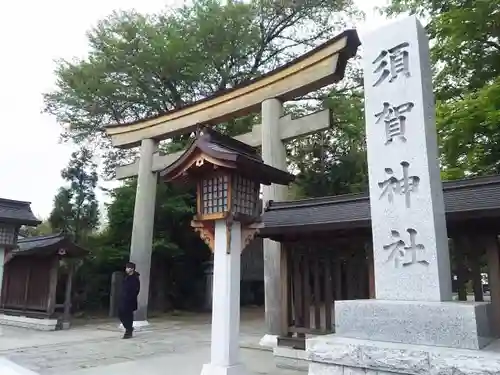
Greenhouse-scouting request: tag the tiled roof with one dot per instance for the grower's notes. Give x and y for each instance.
(48, 245)
(469, 195)
(17, 212)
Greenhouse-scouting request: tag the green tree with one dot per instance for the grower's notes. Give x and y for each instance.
(334, 161)
(75, 209)
(142, 65)
(465, 40)
(470, 134)
(43, 229)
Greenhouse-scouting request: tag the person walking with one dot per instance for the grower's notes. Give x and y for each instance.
(128, 299)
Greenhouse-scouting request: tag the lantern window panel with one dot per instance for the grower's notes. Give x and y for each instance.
(214, 196)
(245, 196)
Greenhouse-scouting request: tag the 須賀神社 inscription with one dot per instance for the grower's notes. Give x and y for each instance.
(399, 249)
(391, 63)
(394, 120)
(399, 186)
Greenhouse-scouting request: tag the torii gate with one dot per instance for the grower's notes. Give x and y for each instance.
(322, 66)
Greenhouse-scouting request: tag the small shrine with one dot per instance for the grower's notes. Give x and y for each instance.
(36, 272)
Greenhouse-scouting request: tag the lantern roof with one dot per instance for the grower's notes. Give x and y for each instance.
(17, 212)
(213, 148)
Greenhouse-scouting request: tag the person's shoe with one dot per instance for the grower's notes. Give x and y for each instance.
(127, 335)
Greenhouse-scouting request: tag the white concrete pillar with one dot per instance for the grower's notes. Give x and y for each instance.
(273, 154)
(142, 232)
(224, 359)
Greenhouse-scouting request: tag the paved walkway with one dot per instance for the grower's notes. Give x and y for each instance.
(173, 346)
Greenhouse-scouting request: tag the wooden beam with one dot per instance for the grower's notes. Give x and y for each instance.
(285, 291)
(474, 255)
(288, 127)
(318, 68)
(371, 269)
(52, 291)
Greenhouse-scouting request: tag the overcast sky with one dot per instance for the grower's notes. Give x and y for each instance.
(34, 34)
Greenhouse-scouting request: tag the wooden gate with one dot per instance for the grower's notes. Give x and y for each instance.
(314, 275)
(26, 285)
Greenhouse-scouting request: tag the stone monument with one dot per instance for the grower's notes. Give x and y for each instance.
(406, 328)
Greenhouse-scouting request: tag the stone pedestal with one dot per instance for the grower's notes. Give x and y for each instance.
(224, 354)
(464, 325)
(333, 355)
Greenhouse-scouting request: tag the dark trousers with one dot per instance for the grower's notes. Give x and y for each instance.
(127, 318)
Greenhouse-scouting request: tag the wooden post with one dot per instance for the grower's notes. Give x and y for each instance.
(27, 287)
(67, 297)
(306, 263)
(52, 294)
(351, 275)
(338, 278)
(459, 245)
(329, 299)
(491, 244)
(371, 270)
(474, 257)
(285, 291)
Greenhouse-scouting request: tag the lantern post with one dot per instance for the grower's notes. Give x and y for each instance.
(228, 175)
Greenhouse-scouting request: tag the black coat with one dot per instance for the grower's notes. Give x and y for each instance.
(130, 290)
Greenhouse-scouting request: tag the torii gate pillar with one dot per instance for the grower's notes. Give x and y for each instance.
(273, 154)
(142, 231)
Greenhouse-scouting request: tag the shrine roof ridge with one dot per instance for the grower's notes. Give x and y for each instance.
(461, 197)
(17, 212)
(352, 197)
(47, 245)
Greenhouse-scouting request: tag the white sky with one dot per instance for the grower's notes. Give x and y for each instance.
(34, 34)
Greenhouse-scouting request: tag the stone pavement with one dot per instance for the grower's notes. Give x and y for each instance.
(176, 345)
